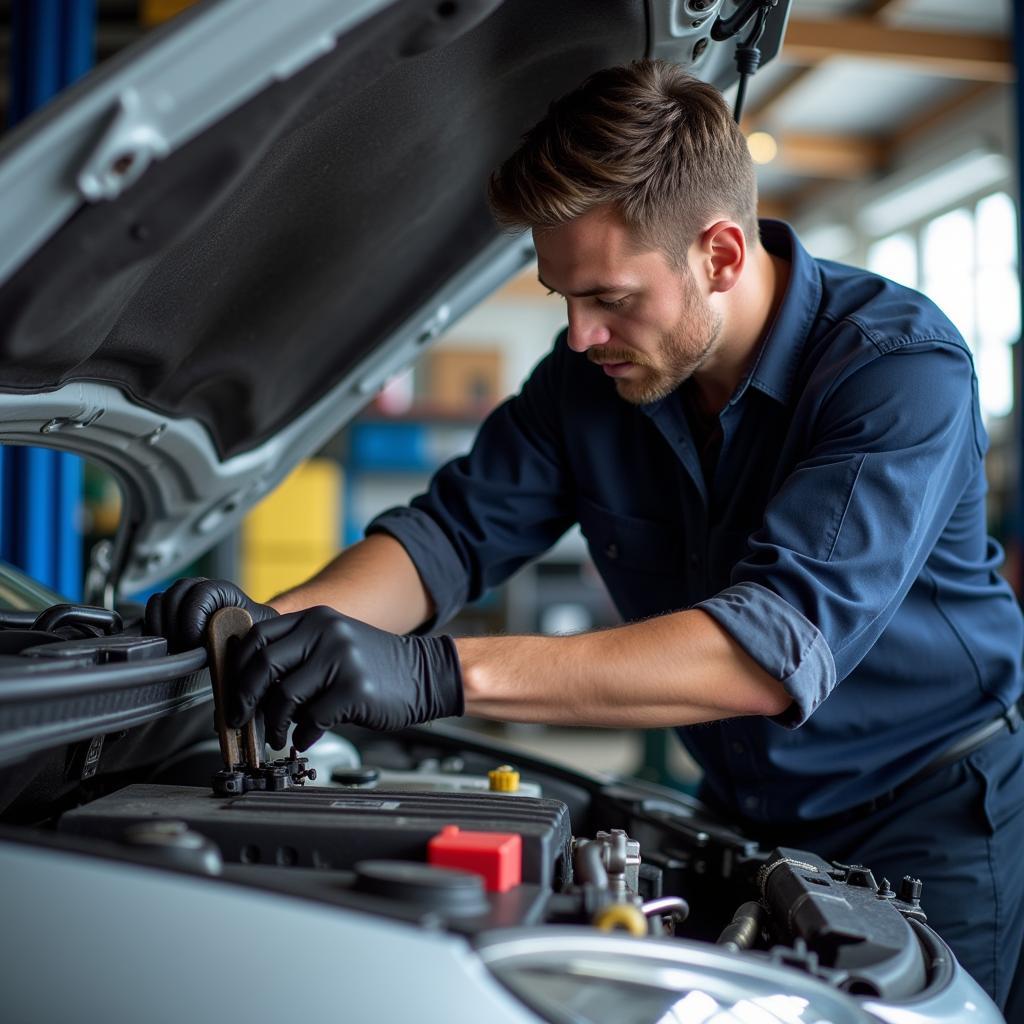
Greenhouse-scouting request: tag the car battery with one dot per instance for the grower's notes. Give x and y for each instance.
(328, 828)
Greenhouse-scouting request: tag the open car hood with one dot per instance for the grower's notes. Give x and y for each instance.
(222, 242)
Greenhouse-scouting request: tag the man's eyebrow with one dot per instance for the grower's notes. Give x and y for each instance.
(601, 289)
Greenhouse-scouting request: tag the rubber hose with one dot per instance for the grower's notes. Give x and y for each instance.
(744, 928)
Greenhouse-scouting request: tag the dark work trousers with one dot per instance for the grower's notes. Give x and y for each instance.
(961, 831)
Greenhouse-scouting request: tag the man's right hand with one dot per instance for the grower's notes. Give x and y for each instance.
(182, 611)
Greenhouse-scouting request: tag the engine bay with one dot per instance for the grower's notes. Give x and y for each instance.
(410, 827)
(437, 828)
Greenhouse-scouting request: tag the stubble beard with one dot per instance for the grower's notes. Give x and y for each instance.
(681, 353)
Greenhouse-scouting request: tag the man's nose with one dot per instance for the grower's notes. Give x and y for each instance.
(586, 329)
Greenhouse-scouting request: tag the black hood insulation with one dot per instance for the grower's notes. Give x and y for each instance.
(244, 275)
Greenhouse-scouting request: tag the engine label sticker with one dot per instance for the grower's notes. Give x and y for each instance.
(360, 805)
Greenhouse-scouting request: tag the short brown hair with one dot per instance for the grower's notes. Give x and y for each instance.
(655, 142)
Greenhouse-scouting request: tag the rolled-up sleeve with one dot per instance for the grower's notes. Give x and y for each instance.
(436, 561)
(488, 512)
(781, 640)
(897, 441)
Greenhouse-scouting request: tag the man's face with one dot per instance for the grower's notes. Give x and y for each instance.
(642, 319)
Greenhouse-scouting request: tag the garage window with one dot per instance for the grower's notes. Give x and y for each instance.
(966, 261)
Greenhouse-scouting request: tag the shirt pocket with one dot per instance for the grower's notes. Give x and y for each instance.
(621, 542)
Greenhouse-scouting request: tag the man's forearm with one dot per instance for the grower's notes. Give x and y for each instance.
(676, 669)
(374, 581)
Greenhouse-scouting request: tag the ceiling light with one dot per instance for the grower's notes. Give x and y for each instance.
(763, 147)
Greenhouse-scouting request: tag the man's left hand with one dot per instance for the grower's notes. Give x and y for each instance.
(319, 668)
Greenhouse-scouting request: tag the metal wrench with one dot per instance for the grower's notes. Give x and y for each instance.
(240, 748)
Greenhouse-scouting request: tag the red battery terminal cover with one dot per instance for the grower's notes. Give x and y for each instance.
(496, 856)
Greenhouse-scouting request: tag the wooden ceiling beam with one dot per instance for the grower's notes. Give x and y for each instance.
(835, 157)
(762, 108)
(979, 58)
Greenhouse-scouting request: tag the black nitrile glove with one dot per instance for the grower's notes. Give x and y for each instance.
(319, 668)
(182, 611)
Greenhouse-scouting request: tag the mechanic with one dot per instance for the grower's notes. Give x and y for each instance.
(778, 464)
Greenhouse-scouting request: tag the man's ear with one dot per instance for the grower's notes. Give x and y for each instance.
(722, 255)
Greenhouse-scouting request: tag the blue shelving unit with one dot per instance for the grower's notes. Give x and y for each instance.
(385, 449)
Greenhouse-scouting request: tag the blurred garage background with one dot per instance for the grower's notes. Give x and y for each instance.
(886, 132)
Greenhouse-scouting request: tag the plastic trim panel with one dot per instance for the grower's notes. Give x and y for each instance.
(39, 714)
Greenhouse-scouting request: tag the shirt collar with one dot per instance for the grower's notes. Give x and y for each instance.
(778, 359)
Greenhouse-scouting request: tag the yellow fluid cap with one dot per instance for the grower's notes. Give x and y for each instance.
(504, 779)
(621, 917)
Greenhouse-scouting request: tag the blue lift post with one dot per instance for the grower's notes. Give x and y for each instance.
(52, 44)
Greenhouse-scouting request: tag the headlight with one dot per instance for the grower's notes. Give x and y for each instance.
(578, 976)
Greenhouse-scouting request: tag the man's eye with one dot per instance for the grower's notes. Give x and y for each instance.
(612, 305)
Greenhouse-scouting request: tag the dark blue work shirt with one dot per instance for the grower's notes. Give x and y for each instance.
(841, 540)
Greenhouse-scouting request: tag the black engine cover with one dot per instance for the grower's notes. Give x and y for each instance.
(334, 828)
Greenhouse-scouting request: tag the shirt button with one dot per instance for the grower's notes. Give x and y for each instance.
(738, 748)
(612, 550)
(750, 803)
(695, 560)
